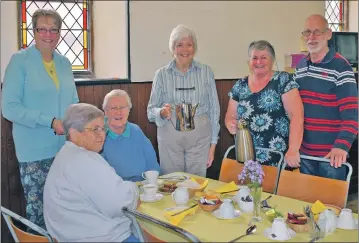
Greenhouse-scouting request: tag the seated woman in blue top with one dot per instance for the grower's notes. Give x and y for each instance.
(126, 147)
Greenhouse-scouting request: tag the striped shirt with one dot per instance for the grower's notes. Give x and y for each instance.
(330, 98)
(199, 85)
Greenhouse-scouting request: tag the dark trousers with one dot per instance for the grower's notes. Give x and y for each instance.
(322, 169)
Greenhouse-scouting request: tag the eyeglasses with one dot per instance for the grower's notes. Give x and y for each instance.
(118, 108)
(44, 30)
(97, 130)
(307, 33)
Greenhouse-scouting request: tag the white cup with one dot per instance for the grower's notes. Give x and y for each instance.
(150, 191)
(346, 219)
(151, 176)
(243, 192)
(180, 196)
(246, 207)
(279, 228)
(226, 210)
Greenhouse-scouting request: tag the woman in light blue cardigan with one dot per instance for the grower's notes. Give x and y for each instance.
(37, 89)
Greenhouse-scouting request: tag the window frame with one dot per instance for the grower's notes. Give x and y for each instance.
(344, 24)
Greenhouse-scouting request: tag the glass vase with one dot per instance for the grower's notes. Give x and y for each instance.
(256, 193)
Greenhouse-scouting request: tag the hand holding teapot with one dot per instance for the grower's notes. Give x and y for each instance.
(166, 112)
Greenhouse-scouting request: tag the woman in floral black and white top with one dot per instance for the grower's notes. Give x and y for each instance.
(270, 104)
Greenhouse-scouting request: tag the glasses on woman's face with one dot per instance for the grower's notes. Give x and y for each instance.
(97, 130)
(307, 33)
(52, 31)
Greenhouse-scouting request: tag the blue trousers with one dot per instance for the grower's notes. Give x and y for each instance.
(33, 176)
(322, 169)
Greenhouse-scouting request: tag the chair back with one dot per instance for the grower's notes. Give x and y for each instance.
(230, 170)
(147, 236)
(311, 188)
(20, 235)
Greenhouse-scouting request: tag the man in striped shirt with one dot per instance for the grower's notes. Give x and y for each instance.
(330, 97)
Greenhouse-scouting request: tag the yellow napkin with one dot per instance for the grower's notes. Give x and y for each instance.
(177, 219)
(202, 185)
(317, 208)
(228, 187)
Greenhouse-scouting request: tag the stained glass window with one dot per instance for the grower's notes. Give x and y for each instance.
(75, 39)
(334, 13)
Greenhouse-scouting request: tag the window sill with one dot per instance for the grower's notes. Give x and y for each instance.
(99, 81)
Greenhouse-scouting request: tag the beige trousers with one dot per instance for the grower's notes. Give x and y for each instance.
(185, 151)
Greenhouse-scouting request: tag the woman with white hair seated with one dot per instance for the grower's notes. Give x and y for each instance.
(185, 80)
(83, 195)
(126, 148)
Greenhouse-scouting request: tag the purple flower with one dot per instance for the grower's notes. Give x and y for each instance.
(252, 171)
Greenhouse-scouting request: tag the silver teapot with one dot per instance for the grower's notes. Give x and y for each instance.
(185, 117)
(244, 143)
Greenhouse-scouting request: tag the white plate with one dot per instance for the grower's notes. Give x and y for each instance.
(237, 213)
(175, 176)
(158, 197)
(268, 234)
(159, 182)
(355, 226)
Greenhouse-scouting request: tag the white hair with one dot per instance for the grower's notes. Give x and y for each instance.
(180, 32)
(116, 93)
(78, 115)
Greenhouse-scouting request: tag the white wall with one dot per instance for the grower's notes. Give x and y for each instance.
(224, 31)
(353, 16)
(8, 31)
(110, 48)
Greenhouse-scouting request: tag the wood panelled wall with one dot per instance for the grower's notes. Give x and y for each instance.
(11, 189)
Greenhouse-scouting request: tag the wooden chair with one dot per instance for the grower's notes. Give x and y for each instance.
(230, 170)
(310, 188)
(146, 236)
(20, 235)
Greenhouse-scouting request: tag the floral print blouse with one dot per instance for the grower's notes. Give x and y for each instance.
(265, 115)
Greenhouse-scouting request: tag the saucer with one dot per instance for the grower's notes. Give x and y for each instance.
(355, 226)
(268, 234)
(216, 214)
(158, 197)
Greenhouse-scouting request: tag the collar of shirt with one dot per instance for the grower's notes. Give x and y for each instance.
(172, 65)
(328, 57)
(113, 135)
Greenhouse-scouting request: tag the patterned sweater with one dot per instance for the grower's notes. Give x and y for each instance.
(330, 98)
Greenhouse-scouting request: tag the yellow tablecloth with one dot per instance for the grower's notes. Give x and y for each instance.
(210, 229)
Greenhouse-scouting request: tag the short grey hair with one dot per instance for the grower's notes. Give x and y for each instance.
(261, 45)
(78, 115)
(116, 93)
(180, 32)
(46, 13)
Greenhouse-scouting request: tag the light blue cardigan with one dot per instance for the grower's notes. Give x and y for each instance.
(30, 100)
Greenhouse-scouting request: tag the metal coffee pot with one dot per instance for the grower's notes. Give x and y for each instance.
(244, 143)
(185, 117)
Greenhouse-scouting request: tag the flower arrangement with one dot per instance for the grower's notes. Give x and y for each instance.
(252, 174)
